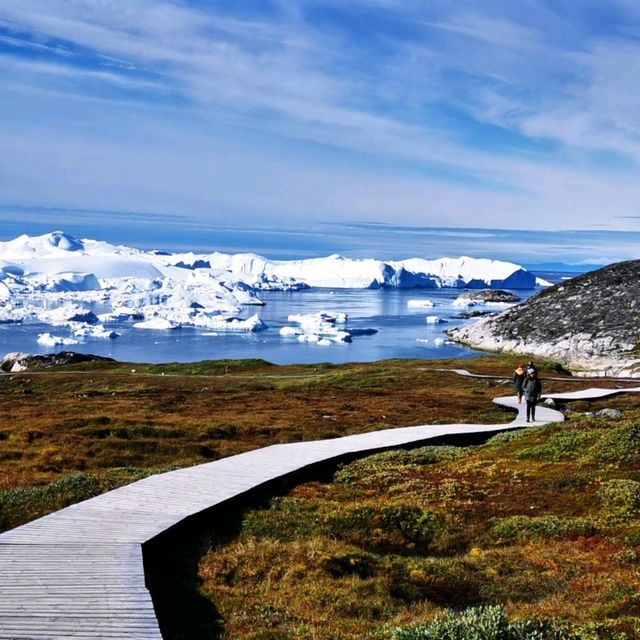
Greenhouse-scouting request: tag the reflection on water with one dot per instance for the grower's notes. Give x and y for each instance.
(399, 329)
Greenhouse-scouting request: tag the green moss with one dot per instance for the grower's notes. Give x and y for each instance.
(394, 528)
(620, 497)
(549, 526)
(18, 506)
(285, 519)
(620, 444)
(483, 623)
(375, 469)
(562, 445)
(207, 367)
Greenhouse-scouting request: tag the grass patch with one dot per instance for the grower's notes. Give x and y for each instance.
(548, 526)
(527, 536)
(540, 522)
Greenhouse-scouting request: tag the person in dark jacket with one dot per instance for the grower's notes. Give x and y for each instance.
(532, 388)
(518, 380)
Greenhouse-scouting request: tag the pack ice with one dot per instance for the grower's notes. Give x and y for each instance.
(63, 281)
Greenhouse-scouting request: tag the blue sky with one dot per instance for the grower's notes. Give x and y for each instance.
(160, 119)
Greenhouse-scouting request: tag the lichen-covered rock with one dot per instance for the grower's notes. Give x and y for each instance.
(590, 324)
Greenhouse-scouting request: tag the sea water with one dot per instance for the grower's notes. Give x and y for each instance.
(401, 331)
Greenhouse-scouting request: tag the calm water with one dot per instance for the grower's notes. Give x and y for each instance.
(399, 330)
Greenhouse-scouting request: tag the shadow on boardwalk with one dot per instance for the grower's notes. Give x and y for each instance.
(171, 560)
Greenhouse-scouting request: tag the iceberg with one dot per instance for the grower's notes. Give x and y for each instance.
(49, 340)
(338, 272)
(97, 331)
(60, 280)
(325, 327)
(159, 324)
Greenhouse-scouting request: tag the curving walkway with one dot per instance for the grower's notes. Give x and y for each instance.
(78, 572)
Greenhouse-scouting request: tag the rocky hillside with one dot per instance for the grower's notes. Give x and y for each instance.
(590, 324)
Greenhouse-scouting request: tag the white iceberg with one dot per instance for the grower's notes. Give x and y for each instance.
(50, 340)
(58, 280)
(95, 331)
(336, 271)
(435, 320)
(160, 324)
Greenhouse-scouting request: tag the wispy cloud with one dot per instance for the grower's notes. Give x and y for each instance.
(446, 113)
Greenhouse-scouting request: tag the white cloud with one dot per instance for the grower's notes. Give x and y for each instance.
(248, 98)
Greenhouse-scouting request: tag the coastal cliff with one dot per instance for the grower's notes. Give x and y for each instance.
(589, 324)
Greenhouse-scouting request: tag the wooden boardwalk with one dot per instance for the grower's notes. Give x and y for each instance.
(78, 572)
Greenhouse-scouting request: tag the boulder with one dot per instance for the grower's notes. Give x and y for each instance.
(587, 324)
(609, 413)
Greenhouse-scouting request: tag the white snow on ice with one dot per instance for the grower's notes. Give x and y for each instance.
(57, 280)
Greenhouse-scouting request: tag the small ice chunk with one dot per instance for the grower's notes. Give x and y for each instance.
(97, 331)
(290, 332)
(49, 340)
(422, 303)
(156, 323)
(438, 342)
(423, 340)
(434, 320)
(309, 337)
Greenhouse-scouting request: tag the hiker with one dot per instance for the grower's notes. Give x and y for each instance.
(518, 380)
(532, 391)
(531, 367)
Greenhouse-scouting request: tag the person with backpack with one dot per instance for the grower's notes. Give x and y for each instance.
(519, 376)
(532, 388)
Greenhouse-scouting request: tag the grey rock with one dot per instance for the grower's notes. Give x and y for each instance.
(489, 295)
(609, 413)
(588, 324)
(16, 362)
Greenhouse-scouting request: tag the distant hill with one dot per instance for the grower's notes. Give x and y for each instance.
(590, 324)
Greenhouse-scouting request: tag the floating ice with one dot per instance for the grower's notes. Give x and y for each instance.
(422, 303)
(97, 331)
(290, 332)
(156, 323)
(49, 340)
(435, 320)
(58, 280)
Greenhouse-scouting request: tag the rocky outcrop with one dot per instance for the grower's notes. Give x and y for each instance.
(589, 324)
(489, 295)
(15, 362)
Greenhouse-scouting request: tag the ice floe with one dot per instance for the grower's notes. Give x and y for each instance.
(50, 340)
(325, 327)
(422, 303)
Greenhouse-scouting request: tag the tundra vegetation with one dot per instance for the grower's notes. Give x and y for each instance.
(533, 535)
